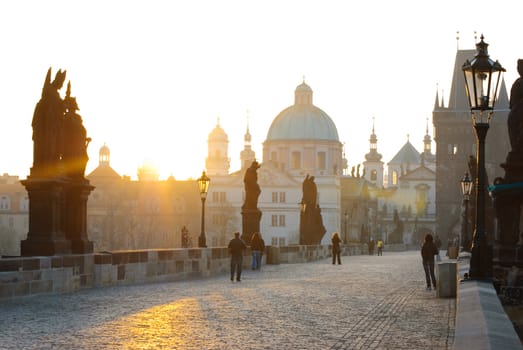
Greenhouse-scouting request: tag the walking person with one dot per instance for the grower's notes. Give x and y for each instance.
(236, 248)
(257, 247)
(336, 250)
(379, 244)
(428, 251)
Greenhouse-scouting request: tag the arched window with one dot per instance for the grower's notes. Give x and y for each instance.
(373, 175)
(394, 177)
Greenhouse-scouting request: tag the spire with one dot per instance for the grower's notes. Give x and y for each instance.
(427, 140)
(247, 155)
(436, 102)
(373, 154)
(247, 138)
(442, 98)
(503, 100)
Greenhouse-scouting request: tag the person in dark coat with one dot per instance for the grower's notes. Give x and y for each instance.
(257, 248)
(336, 250)
(428, 251)
(236, 248)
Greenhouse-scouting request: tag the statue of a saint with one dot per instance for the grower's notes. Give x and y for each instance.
(515, 117)
(75, 139)
(47, 127)
(252, 189)
(310, 192)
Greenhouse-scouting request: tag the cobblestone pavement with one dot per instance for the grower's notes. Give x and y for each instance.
(368, 302)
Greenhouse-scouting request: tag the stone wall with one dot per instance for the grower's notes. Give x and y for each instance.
(24, 276)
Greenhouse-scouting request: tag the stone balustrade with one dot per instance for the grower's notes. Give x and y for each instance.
(24, 276)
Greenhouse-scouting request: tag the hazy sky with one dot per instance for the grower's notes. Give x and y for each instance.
(152, 77)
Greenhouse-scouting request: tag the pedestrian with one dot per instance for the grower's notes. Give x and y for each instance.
(428, 250)
(379, 244)
(257, 248)
(336, 250)
(371, 246)
(236, 248)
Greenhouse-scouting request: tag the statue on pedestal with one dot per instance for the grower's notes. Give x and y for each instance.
(251, 215)
(311, 221)
(56, 186)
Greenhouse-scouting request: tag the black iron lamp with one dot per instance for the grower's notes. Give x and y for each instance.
(466, 189)
(482, 77)
(203, 184)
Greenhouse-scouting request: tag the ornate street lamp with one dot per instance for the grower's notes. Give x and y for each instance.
(466, 189)
(203, 184)
(482, 76)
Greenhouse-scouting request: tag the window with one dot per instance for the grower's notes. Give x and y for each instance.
(422, 200)
(322, 162)
(274, 220)
(278, 196)
(373, 175)
(282, 220)
(219, 197)
(296, 160)
(24, 204)
(394, 177)
(219, 219)
(5, 202)
(452, 149)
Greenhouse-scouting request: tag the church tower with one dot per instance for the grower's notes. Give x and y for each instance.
(247, 156)
(217, 162)
(373, 166)
(456, 142)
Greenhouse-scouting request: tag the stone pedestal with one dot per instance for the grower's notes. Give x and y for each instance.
(311, 226)
(75, 220)
(57, 217)
(446, 279)
(250, 223)
(46, 202)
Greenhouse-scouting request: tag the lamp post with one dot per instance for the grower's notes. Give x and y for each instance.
(203, 184)
(482, 76)
(466, 189)
(303, 208)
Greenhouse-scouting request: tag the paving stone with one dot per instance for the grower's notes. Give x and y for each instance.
(368, 302)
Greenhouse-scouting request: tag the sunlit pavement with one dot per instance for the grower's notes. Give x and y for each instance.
(368, 302)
